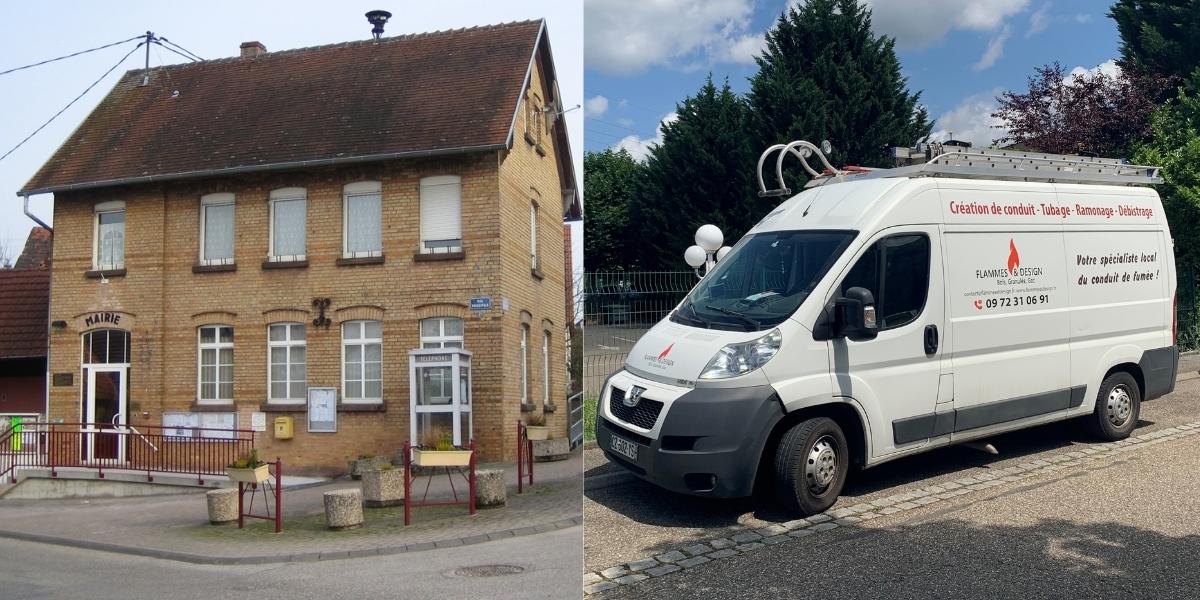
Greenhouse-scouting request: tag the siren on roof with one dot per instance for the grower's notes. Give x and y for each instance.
(378, 18)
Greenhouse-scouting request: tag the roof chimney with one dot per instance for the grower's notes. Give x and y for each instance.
(252, 49)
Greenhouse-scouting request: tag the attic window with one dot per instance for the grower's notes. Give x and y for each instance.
(533, 119)
(109, 235)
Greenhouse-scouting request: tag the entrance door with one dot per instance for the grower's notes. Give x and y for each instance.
(105, 414)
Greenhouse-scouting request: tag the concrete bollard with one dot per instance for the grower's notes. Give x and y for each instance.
(343, 509)
(383, 487)
(222, 506)
(490, 491)
(551, 450)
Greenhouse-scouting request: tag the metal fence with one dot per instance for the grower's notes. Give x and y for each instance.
(1187, 315)
(618, 307)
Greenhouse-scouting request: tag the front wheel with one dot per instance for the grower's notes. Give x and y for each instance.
(811, 463)
(1118, 405)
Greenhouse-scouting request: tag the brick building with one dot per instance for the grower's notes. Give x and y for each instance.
(24, 299)
(231, 234)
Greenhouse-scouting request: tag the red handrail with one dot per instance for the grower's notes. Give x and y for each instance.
(153, 449)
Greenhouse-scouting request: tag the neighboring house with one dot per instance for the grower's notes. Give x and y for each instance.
(306, 218)
(24, 305)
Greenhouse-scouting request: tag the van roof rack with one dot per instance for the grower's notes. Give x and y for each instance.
(941, 160)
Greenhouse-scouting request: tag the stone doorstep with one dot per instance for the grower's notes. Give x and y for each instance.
(749, 540)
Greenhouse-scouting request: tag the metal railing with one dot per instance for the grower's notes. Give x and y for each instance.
(575, 419)
(104, 447)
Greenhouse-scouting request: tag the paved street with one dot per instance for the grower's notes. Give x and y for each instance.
(549, 564)
(1053, 515)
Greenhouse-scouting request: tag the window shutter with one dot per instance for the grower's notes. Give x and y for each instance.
(441, 213)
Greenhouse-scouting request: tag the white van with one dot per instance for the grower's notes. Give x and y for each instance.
(884, 313)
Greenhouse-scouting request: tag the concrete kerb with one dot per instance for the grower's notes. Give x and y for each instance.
(202, 559)
(749, 540)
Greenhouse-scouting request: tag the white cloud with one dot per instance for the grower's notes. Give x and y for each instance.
(629, 36)
(638, 146)
(625, 122)
(595, 106)
(1108, 67)
(1081, 17)
(1039, 21)
(971, 120)
(917, 24)
(993, 52)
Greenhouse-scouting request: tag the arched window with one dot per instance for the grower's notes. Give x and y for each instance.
(442, 332)
(106, 347)
(287, 379)
(362, 361)
(216, 364)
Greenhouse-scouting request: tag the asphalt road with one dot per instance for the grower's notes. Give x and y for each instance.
(633, 520)
(550, 564)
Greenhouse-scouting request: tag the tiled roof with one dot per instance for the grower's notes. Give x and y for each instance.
(410, 95)
(24, 311)
(36, 254)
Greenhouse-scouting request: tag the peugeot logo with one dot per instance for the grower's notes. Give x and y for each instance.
(632, 396)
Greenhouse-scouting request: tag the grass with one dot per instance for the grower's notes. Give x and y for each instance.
(589, 419)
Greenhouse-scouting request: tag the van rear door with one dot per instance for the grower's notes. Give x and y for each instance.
(895, 377)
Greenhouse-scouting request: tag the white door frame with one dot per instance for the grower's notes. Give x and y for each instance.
(89, 410)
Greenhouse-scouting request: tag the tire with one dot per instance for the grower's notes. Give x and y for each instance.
(811, 463)
(1118, 404)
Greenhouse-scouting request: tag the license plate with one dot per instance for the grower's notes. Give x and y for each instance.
(623, 447)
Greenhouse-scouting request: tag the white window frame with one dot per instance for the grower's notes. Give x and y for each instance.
(287, 343)
(216, 346)
(524, 363)
(113, 206)
(441, 339)
(284, 195)
(545, 368)
(360, 188)
(362, 342)
(440, 180)
(535, 262)
(216, 199)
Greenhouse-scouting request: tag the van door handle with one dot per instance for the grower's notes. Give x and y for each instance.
(931, 340)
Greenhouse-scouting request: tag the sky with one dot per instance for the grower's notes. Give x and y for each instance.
(644, 56)
(36, 31)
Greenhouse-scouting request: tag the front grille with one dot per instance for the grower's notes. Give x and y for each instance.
(644, 415)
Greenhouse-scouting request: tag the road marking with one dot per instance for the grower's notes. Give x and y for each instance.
(902, 502)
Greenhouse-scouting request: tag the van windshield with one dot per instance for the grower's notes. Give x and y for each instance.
(763, 280)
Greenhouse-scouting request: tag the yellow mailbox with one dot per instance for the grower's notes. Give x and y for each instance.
(283, 428)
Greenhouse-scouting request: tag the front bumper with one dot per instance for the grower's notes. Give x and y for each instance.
(709, 440)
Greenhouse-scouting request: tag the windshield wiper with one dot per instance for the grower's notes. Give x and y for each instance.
(734, 313)
(696, 317)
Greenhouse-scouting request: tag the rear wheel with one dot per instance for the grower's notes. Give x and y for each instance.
(811, 462)
(1118, 405)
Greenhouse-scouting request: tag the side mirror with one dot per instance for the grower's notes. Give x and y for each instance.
(856, 318)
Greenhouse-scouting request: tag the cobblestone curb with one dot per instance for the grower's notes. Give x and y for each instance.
(749, 540)
(203, 559)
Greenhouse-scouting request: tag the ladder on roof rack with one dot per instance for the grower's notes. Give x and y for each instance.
(963, 162)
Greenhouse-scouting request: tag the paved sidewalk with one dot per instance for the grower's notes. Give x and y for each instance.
(176, 526)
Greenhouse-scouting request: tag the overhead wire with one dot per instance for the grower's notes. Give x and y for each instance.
(173, 50)
(194, 55)
(36, 64)
(72, 102)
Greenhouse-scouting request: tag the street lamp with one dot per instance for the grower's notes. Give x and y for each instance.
(708, 249)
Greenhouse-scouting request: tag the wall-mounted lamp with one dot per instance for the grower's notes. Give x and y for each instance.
(60, 324)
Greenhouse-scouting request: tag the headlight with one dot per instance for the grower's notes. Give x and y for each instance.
(739, 359)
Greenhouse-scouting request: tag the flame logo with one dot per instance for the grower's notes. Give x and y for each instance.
(1014, 259)
(666, 352)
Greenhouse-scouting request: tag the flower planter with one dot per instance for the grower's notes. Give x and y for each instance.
(383, 487)
(537, 432)
(441, 458)
(255, 475)
(357, 467)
